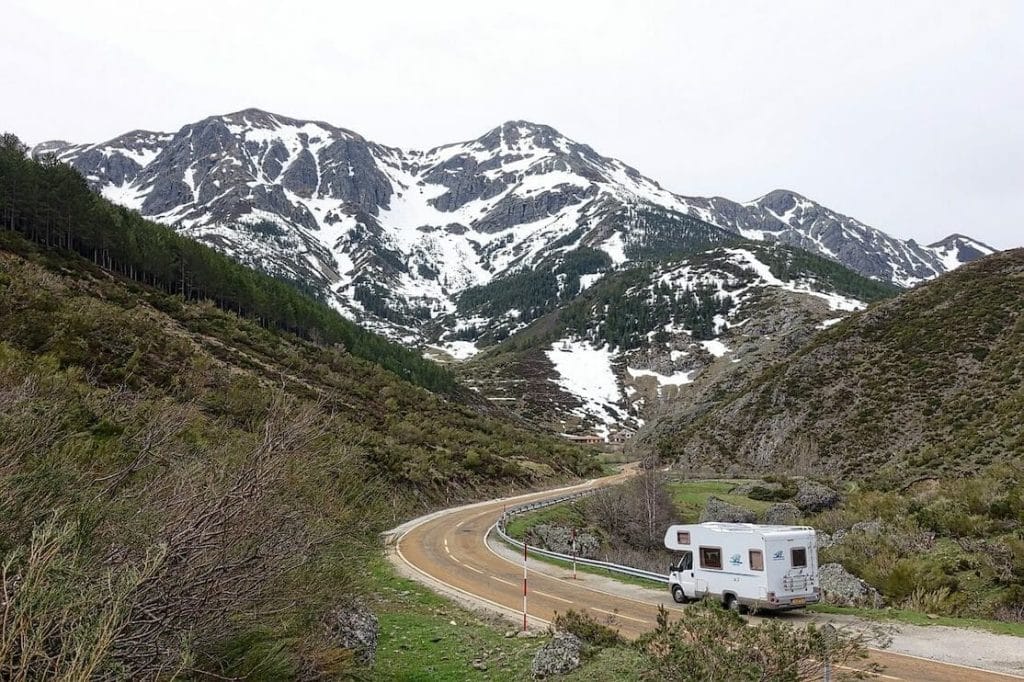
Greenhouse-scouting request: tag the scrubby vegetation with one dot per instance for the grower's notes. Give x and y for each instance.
(930, 384)
(951, 547)
(709, 643)
(184, 489)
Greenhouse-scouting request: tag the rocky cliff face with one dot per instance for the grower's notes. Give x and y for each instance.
(393, 237)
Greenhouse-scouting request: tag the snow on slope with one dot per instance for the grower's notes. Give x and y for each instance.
(383, 229)
(746, 259)
(586, 372)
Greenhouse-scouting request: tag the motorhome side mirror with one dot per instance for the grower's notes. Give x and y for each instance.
(671, 568)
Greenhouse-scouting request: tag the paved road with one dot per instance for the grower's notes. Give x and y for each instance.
(450, 552)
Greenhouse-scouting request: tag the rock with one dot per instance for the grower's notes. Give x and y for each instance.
(842, 588)
(867, 527)
(479, 664)
(782, 514)
(815, 497)
(719, 510)
(354, 627)
(561, 655)
(559, 539)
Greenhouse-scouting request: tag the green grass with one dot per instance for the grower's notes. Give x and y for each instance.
(691, 496)
(560, 514)
(916, 618)
(424, 637)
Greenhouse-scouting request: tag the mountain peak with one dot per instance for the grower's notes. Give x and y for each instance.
(517, 134)
(781, 201)
(956, 238)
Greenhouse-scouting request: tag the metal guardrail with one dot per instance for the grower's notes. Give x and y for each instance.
(499, 526)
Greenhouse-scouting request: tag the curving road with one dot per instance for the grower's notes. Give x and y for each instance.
(450, 552)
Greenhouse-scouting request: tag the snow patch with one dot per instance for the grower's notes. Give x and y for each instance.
(586, 372)
(715, 347)
(677, 379)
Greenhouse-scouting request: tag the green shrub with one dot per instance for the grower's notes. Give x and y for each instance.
(916, 573)
(584, 626)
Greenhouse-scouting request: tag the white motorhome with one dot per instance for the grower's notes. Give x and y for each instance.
(748, 566)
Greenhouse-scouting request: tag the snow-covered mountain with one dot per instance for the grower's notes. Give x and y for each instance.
(392, 237)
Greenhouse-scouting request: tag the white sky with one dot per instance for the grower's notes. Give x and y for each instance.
(906, 115)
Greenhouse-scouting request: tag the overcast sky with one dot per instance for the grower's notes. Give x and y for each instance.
(908, 116)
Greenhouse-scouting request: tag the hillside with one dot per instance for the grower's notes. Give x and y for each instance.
(393, 238)
(653, 335)
(197, 490)
(51, 204)
(928, 384)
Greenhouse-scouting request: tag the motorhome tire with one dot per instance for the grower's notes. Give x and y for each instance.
(733, 604)
(678, 595)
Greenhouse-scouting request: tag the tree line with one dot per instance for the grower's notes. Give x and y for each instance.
(49, 203)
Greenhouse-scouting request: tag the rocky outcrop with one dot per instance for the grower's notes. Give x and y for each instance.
(559, 539)
(561, 655)
(842, 588)
(782, 514)
(717, 509)
(812, 497)
(354, 627)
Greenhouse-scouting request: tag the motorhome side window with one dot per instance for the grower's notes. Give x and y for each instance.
(799, 557)
(756, 560)
(711, 557)
(683, 537)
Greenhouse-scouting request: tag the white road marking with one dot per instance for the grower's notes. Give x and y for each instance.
(619, 615)
(551, 596)
(472, 568)
(502, 580)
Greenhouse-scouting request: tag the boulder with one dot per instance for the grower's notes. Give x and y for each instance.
(815, 497)
(559, 539)
(826, 540)
(354, 627)
(719, 510)
(867, 527)
(842, 588)
(782, 514)
(561, 655)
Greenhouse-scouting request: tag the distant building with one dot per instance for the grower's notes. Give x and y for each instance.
(586, 439)
(620, 437)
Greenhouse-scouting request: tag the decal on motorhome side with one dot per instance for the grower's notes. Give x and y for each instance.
(779, 556)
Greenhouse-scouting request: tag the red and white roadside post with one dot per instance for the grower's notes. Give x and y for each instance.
(524, 587)
(574, 554)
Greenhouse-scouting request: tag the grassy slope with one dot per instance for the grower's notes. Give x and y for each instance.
(121, 403)
(426, 638)
(930, 383)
